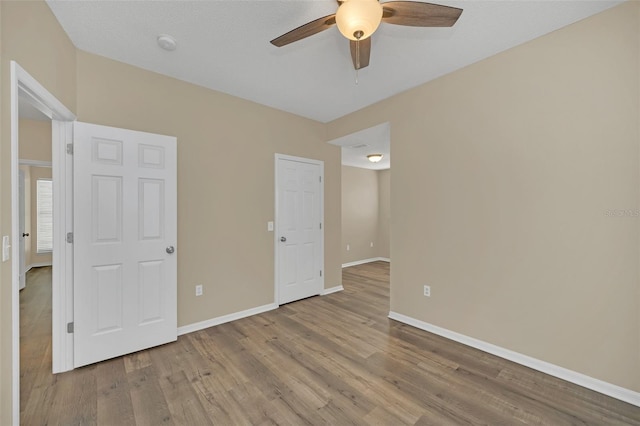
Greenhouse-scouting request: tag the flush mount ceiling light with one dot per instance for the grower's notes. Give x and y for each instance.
(167, 42)
(374, 158)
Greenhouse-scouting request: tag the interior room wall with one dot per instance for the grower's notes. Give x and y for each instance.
(365, 214)
(514, 195)
(34, 140)
(226, 150)
(359, 214)
(31, 36)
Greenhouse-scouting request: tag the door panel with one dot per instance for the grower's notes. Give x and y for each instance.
(21, 229)
(125, 280)
(299, 230)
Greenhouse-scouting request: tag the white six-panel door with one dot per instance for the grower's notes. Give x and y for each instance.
(125, 229)
(299, 229)
(21, 226)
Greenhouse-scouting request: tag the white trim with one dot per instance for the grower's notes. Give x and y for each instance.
(43, 100)
(37, 265)
(35, 163)
(360, 262)
(579, 379)
(332, 290)
(225, 318)
(62, 276)
(276, 291)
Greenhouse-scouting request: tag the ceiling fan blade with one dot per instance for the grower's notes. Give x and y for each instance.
(306, 30)
(364, 50)
(418, 14)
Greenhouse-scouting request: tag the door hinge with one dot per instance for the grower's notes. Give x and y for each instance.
(321, 272)
(70, 237)
(70, 148)
(320, 225)
(320, 178)
(69, 327)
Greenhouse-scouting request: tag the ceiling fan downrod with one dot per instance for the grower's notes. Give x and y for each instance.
(358, 35)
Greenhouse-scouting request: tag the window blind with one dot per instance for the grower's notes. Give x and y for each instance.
(44, 225)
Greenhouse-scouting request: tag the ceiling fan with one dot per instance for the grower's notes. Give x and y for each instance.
(358, 19)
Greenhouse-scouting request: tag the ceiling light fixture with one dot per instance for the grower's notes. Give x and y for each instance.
(374, 158)
(167, 42)
(358, 19)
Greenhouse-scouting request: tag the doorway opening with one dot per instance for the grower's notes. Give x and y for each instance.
(366, 211)
(28, 93)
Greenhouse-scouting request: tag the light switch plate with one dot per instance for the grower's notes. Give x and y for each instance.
(5, 248)
(270, 226)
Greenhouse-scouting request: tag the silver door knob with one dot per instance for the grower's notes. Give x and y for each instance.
(283, 239)
(170, 249)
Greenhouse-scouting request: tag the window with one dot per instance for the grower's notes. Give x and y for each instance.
(44, 188)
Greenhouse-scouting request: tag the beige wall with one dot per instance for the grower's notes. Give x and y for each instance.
(226, 149)
(384, 213)
(365, 214)
(359, 214)
(31, 36)
(504, 173)
(35, 140)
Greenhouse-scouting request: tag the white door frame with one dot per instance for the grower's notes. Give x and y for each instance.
(276, 234)
(39, 97)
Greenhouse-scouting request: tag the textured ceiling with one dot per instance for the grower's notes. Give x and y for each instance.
(356, 147)
(224, 45)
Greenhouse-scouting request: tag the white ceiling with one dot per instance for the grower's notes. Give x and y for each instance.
(224, 45)
(374, 140)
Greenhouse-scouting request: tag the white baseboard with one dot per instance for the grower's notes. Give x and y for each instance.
(360, 262)
(225, 318)
(37, 265)
(332, 290)
(580, 379)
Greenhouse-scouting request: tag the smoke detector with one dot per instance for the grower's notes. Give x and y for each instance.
(167, 42)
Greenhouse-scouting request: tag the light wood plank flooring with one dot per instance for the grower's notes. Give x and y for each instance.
(335, 359)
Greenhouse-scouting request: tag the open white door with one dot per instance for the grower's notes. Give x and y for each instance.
(299, 234)
(22, 234)
(125, 229)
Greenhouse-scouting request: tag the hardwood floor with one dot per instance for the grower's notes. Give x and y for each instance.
(334, 359)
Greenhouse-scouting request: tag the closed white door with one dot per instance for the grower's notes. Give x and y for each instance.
(124, 239)
(21, 226)
(299, 229)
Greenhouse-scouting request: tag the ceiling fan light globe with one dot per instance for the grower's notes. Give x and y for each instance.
(358, 15)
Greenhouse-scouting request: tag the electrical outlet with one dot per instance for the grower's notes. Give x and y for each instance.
(199, 290)
(348, 248)
(427, 291)
(371, 243)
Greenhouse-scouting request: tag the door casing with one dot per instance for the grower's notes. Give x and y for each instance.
(22, 83)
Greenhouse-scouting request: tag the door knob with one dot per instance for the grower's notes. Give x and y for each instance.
(283, 239)
(25, 234)
(170, 249)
